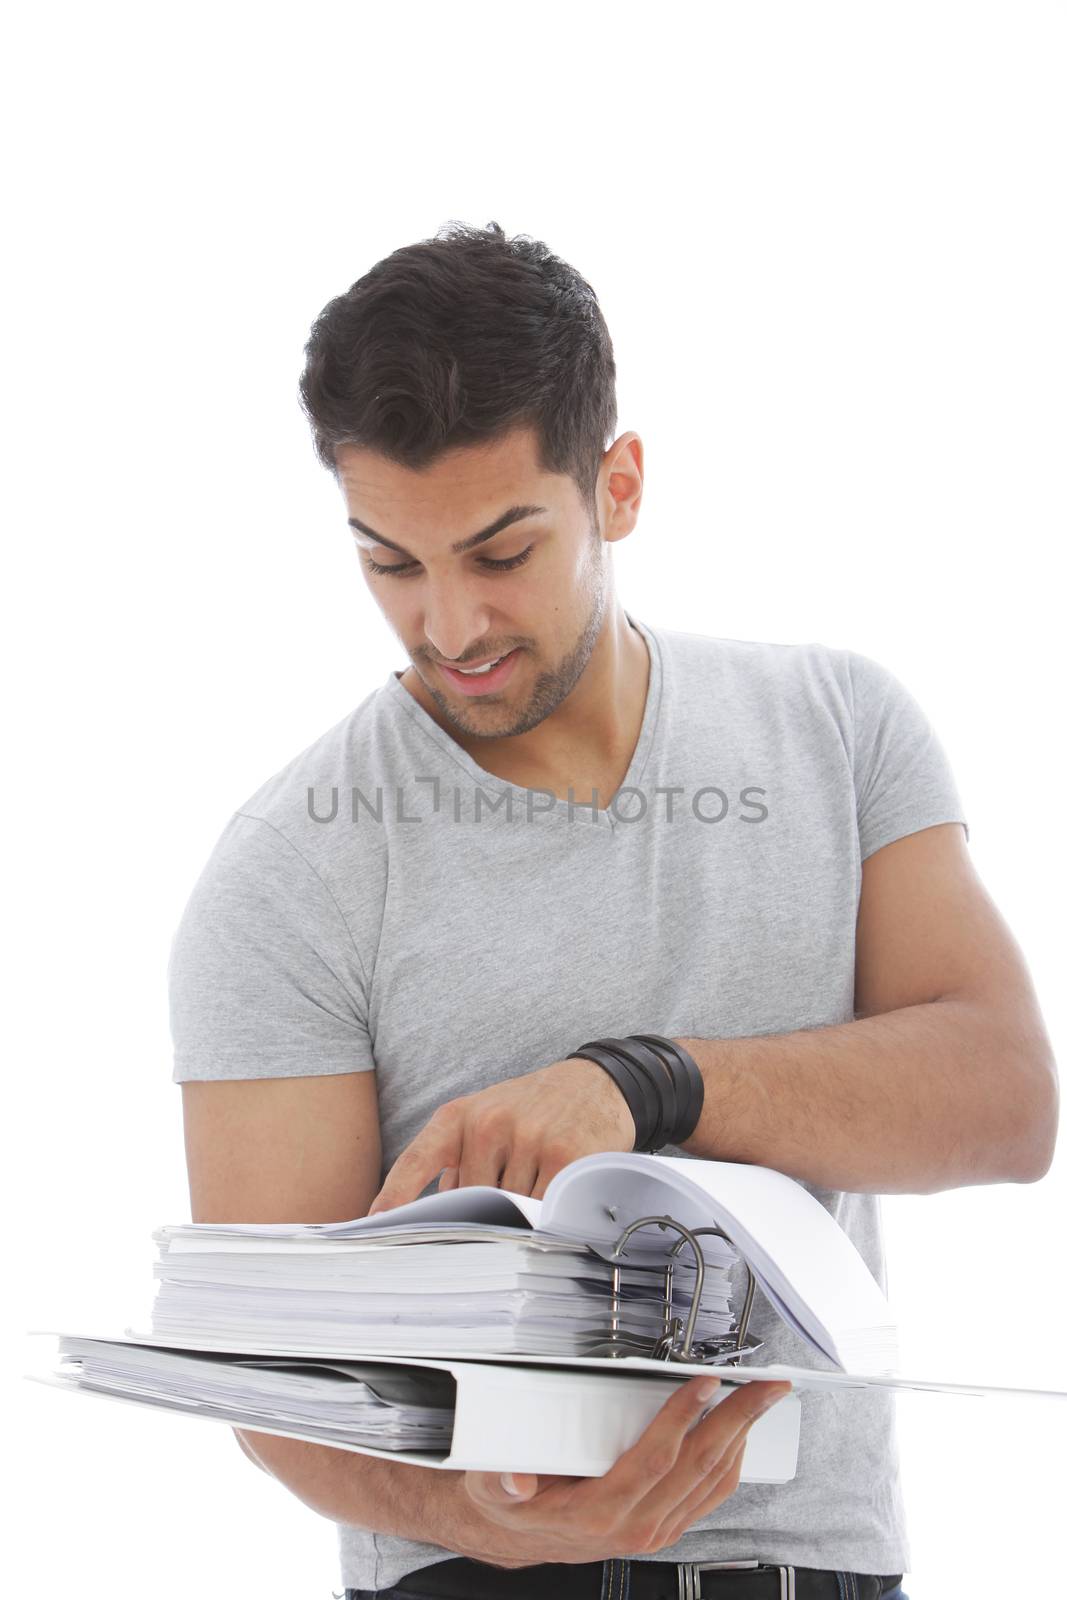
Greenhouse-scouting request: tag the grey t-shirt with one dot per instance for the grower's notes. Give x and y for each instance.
(383, 903)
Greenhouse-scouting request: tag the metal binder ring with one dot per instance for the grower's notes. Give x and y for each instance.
(664, 1348)
(750, 1292)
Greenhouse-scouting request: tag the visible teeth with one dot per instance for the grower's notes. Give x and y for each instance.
(471, 672)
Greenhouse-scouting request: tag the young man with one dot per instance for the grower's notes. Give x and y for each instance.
(755, 849)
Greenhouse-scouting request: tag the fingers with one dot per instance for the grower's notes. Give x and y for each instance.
(520, 1174)
(750, 1400)
(482, 1162)
(657, 1450)
(707, 1497)
(712, 1486)
(708, 1467)
(487, 1489)
(437, 1146)
(728, 1425)
(687, 1462)
(518, 1177)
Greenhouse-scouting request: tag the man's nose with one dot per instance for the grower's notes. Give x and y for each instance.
(454, 621)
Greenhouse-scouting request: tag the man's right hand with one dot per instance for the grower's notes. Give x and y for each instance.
(672, 1477)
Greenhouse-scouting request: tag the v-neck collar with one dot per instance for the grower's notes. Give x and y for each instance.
(605, 819)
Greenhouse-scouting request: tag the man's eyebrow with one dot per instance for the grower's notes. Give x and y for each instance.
(516, 514)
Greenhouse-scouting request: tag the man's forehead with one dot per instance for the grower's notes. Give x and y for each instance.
(476, 476)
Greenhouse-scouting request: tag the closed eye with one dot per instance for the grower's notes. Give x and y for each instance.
(401, 569)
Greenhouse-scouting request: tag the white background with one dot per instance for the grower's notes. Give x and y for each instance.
(829, 242)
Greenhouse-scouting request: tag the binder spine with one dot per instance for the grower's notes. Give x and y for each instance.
(667, 1346)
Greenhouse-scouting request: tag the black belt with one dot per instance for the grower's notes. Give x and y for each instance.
(462, 1579)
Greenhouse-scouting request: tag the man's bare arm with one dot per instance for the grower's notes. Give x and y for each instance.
(684, 1465)
(946, 1078)
(393, 1497)
(308, 1150)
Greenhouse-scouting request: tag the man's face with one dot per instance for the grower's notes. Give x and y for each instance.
(542, 610)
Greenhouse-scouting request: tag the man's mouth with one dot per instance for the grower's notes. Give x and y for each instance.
(485, 666)
(489, 673)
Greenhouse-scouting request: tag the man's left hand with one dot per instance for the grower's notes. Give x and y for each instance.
(515, 1135)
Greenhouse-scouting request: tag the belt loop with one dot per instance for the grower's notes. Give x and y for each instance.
(609, 1589)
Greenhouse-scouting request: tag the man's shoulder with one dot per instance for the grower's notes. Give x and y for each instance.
(314, 788)
(288, 855)
(747, 667)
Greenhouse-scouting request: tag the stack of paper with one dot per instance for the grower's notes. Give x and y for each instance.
(340, 1402)
(489, 1272)
(477, 1287)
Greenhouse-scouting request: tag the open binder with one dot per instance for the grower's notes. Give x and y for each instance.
(637, 1220)
(507, 1408)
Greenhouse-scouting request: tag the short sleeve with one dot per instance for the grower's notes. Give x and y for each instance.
(902, 775)
(264, 979)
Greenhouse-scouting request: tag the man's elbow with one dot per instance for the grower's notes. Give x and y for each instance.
(1038, 1106)
(249, 1452)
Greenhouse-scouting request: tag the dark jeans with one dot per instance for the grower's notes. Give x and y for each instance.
(616, 1582)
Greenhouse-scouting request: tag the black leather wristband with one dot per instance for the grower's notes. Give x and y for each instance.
(671, 1064)
(688, 1073)
(660, 1081)
(648, 1060)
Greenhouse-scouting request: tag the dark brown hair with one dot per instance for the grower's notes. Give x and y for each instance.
(457, 340)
